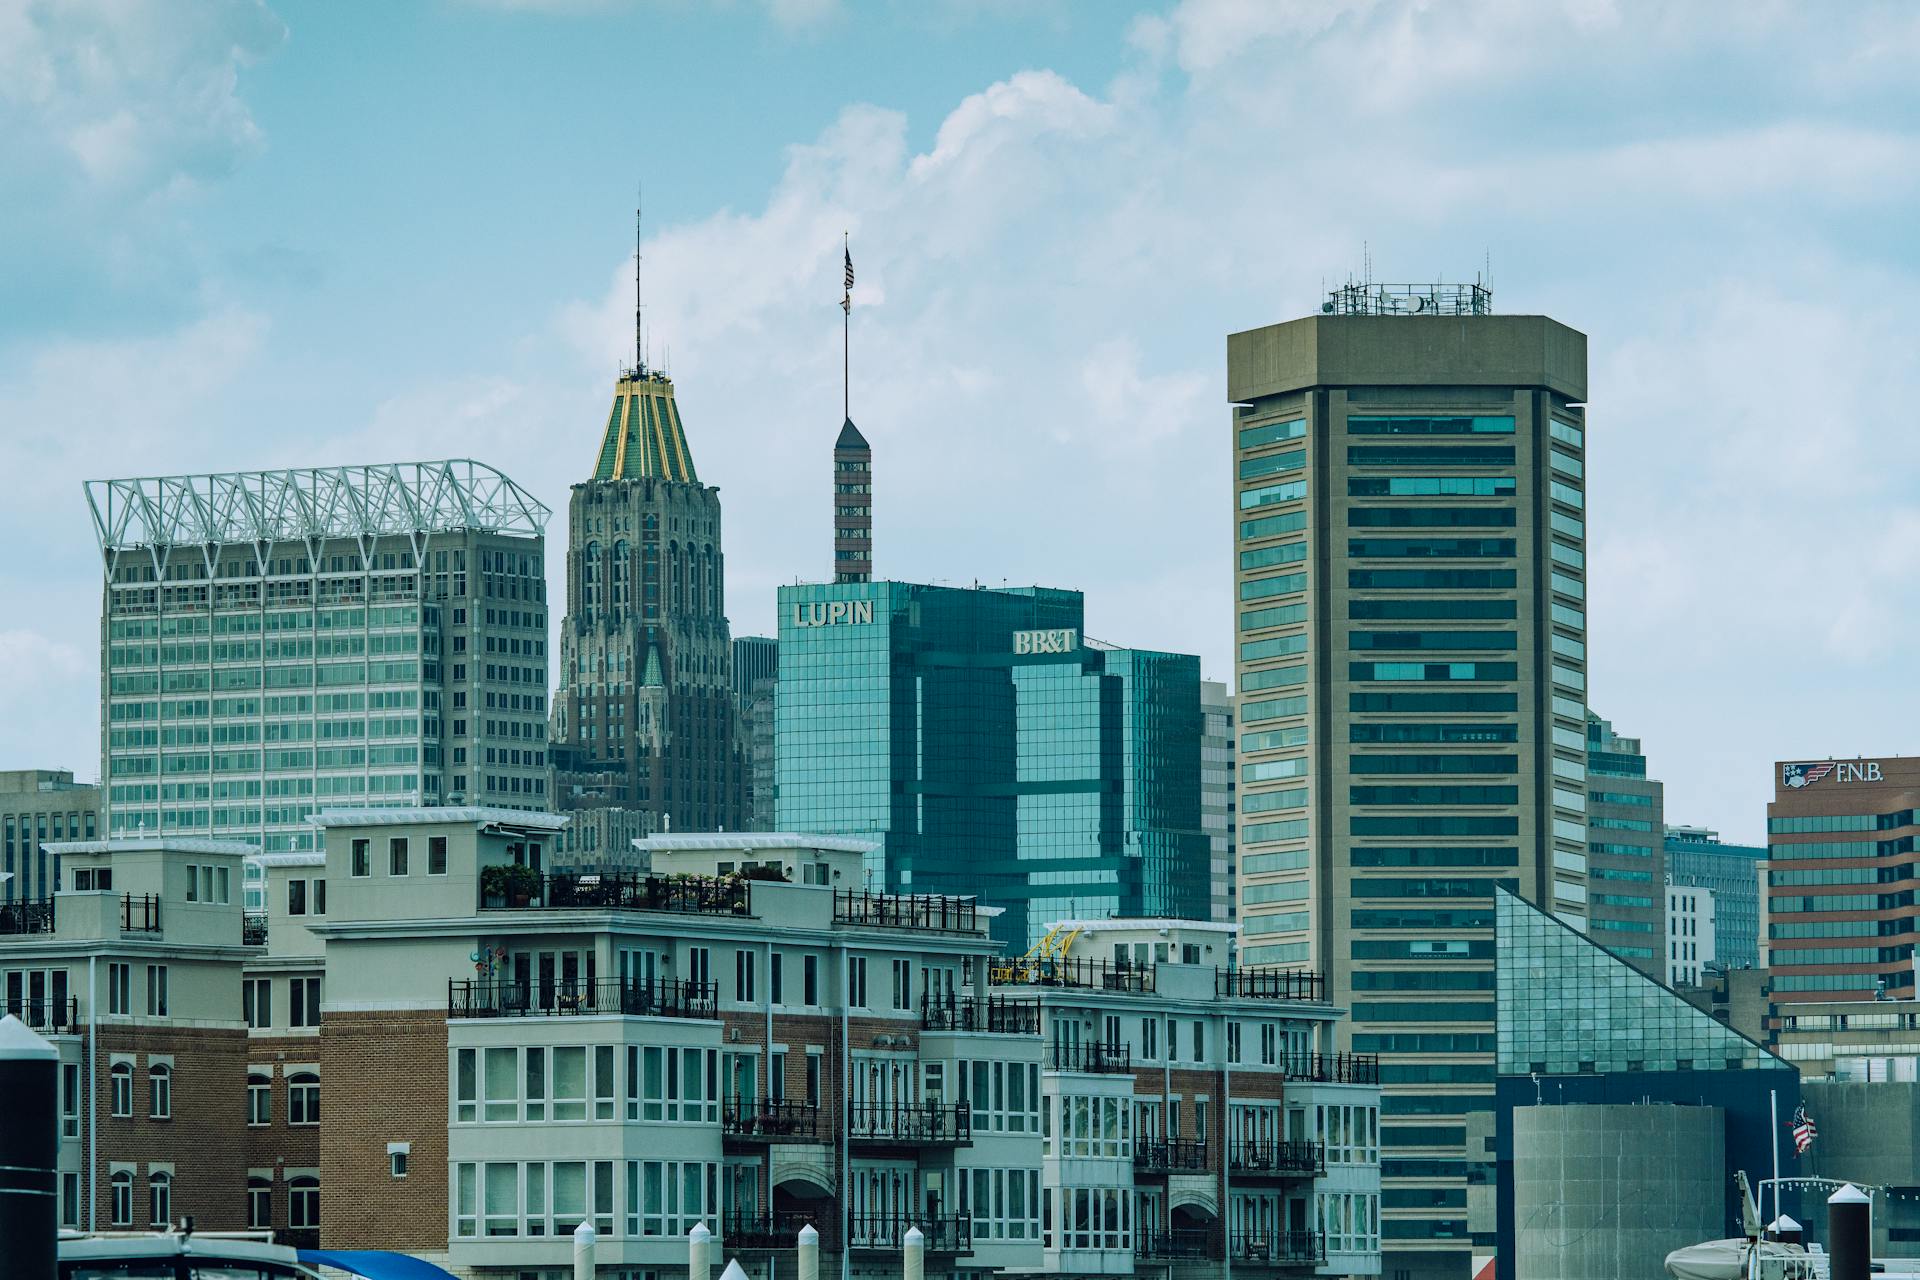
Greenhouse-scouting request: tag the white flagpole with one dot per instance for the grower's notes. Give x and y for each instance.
(1773, 1107)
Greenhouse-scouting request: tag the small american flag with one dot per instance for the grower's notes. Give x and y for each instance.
(846, 300)
(1804, 1131)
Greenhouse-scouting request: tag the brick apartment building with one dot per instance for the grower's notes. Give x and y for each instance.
(738, 1038)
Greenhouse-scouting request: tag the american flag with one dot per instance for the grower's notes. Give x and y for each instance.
(1804, 1131)
(846, 300)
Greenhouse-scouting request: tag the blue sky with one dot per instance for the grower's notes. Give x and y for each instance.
(239, 235)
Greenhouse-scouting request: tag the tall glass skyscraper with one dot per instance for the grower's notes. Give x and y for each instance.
(992, 750)
(1626, 856)
(1409, 499)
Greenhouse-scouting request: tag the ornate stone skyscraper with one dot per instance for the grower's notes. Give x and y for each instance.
(644, 719)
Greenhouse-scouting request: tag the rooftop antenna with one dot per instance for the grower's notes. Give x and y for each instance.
(639, 294)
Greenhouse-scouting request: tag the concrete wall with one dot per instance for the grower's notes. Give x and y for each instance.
(1870, 1134)
(1606, 1192)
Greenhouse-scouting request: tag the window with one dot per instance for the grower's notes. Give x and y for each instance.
(256, 999)
(397, 856)
(296, 897)
(436, 855)
(397, 1163)
(319, 897)
(743, 967)
(362, 858)
(813, 1077)
(903, 984)
(773, 978)
(120, 1079)
(156, 991)
(303, 1099)
(857, 982)
(122, 1208)
(303, 1202)
(259, 1204)
(810, 980)
(259, 1098)
(69, 1099)
(159, 1199)
(160, 1091)
(303, 1001)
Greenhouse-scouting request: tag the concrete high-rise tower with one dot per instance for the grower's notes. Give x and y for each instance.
(1411, 595)
(645, 717)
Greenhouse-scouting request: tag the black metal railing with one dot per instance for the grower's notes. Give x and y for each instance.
(925, 1124)
(661, 998)
(770, 1119)
(906, 910)
(949, 1233)
(1271, 984)
(975, 1013)
(772, 1230)
(139, 913)
(1181, 1244)
(253, 929)
(624, 891)
(1253, 1158)
(1090, 975)
(1278, 1248)
(1095, 1058)
(1169, 1155)
(55, 1017)
(29, 915)
(1333, 1068)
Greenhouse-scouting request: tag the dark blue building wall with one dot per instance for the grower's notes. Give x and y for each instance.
(1744, 1095)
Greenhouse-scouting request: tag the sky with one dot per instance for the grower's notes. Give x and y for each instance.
(240, 235)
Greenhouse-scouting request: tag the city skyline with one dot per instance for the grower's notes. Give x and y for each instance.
(312, 296)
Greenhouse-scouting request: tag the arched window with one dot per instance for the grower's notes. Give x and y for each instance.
(160, 1091)
(303, 1098)
(303, 1202)
(159, 1199)
(259, 1203)
(259, 1098)
(122, 1207)
(121, 1079)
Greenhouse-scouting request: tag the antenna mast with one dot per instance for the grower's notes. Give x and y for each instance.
(639, 294)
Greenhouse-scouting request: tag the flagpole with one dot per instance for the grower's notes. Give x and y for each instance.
(1773, 1107)
(846, 337)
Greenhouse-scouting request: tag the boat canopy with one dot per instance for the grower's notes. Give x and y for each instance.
(374, 1264)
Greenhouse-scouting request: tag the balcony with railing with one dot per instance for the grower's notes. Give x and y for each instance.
(140, 913)
(995, 1014)
(1271, 984)
(774, 1230)
(755, 1120)
(925, 1124)
(253, 929)
(1084, 974)
(1093, 1059)
(1169, 1155)
(1332, 1068)
(27, 915)
(1277, 1248)
(49, 1017)
(884, 1233)
(1180, 1244)
(513, 888)
(661, 998)
(906, 910)
(1255, 1158)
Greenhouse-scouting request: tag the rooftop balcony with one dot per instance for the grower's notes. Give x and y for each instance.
(1085, 974)
(1250, 1158)
(755, 1120)
(49, 1017)
(513, 888)
(28, 915)
(927, 1124)
(994, 1014)
(1333, 1068)
(906, 911)
(1169, 1155)
(662, 998)
(1271, 984)
(1095, 1058)
(139, 913)
(253, 929)
(775, 1230)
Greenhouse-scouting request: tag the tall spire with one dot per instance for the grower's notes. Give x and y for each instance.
(852, 466)
(639, 295)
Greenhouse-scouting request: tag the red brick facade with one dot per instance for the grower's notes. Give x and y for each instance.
(384, 1079)
(207, 1083)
